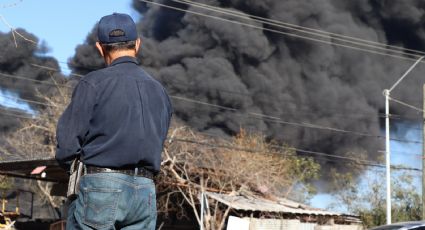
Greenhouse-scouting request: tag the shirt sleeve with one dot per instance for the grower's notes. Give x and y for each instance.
(73, 125)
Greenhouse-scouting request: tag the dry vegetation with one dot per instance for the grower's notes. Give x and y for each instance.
(245, 164)
(192, 163)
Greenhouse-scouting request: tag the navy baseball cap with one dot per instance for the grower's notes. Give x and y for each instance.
(116, 28)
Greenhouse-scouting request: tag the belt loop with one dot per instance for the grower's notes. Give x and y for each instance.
(136, 171)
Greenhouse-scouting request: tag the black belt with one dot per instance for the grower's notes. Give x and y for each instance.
(138, 171)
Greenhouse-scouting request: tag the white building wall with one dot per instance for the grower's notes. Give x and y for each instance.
(339, 227)
(236, 223)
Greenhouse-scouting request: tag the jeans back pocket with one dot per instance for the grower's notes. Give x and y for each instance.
(100, 206)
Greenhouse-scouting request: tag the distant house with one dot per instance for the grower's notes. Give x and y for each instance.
(256, 213)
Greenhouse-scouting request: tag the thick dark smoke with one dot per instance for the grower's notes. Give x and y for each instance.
(299, 81)
(19, 60)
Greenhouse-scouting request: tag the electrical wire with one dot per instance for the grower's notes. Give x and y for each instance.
(305, 30)
(28, 79)
(53, 69)
(352, 114)
(416, 155)
(221, 137)
(17, 116)
(381, 115)
(319, 154)
(292, 26)
(28, 101)
(283, 33)
(227, 108)
(13, 109)
(351, 160)
(8, 112)
(263, 117)
(407, 105)
(275, 146)
(278, 120)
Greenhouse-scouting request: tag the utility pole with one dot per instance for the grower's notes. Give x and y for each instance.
(387, 154)
(387, 93)
(423, 158)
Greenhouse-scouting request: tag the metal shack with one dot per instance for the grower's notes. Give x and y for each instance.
(256, 213)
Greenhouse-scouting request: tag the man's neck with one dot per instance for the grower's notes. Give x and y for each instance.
(117, 54)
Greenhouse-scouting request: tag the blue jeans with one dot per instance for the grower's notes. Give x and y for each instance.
(113, 201)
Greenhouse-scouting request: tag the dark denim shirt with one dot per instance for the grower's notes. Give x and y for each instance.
(118, 118)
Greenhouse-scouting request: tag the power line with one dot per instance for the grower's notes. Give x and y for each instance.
(80, 66)
(11, 106)
(17, 116)
(305, 30)
(53, 69)
(407, 105)
(235, 110)
(257, 116)
(13, 109)
(284, 33)
(263, 117)
(29, 101)
(260, 151)
(416, 155)
(293, 26)
(280, 121)
(381, 115)
(213, 135)
(11, 114)
(353, 114)
(28, 79)
(320, 154)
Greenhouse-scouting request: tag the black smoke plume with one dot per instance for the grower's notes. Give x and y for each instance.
(299, 81)
(20, 58)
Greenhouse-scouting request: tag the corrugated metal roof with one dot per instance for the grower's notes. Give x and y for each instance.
(280, 205)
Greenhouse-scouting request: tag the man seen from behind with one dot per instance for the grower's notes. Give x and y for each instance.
(116, 124)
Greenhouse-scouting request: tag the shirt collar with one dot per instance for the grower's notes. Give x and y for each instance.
(124, 59)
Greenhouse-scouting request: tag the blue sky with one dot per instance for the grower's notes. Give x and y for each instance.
(62, 24)
(402, 153)
(7, 99)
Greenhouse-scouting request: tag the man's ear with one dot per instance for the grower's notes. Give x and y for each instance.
(138, 44)
(100, 49)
